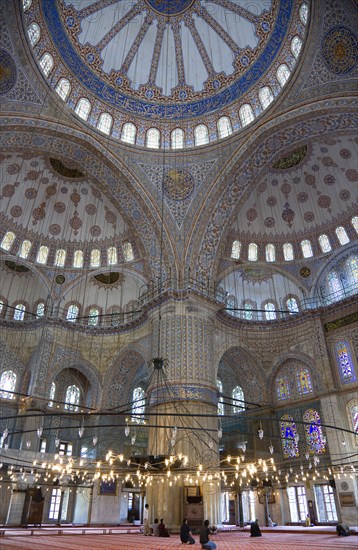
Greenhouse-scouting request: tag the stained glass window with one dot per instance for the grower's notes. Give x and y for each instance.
(296, 46)
(282, 388)
(352, 270)
(235, 250)
(42, 255)
(345, 362)
(129, 132)
(177, 138)
(138, 405)
(246, 114)
(105, 123)
(324, 243)
(342, 235)
(153, 138)
(112, 255)
(292, 306)
(128, 252)
(40, 309)
(83, 108)
(60, 257)
(63, 88)
(289, 437)
(19, 312)
(78, 259)
(34, 33)
(354, 419)
(304, 383)
(52, 394)
(288, 252)
(238, 399)
(7, 384)
(72, 398)
(315, 440)
(7, 241)
(283, 74)
(306, 249)
(93, 317)
(265, 96)
(221, 400)
(270, 313)
(335, 287)
(25, 249)
(252, 252)
(72, 313)
(201, 135)
(26, 4)
(304, 13)
(248, 313)
(46, 63)
(224, 127)
(270, 252)
(95, 258)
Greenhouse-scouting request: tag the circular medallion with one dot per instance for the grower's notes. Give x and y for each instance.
(7, 72)
(178, 184)
(340, 50)
(169, 7)
(305, 272)
(60, 279)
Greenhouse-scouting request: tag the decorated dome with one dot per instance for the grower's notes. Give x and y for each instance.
(167, 65)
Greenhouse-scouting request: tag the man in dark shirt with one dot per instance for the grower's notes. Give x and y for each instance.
(255, 529)
(205, 536)
(185, 533)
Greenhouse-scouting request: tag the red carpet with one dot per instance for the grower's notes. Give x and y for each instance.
(225, 541)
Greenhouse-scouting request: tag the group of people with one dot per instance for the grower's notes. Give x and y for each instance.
(156, 529)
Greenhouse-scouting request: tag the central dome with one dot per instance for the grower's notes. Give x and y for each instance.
(168, 7)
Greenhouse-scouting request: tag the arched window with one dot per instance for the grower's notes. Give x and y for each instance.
(224, 127)
(315, 440)
(248, 313)
(291, 305)
(296, 45)
(282, 388)
(177, 138)
(83, 108)
(115, 316)
(26, 4)
(72, 313)
(46, 63)
(34, 34)
(112, 255)
(129, 132)
(354, 221)
(238, 399)
(265, 96)
(40, 310)
(25, 249)
(270, 252)
(246, 114)
(72, 399)
(201, 135)
(345, 362)
(105, 123)
(52, 394)
(128, 254)
(288, 252)
(252, 252)
(304, 383)
(95, 258)
(342, 235)
(63, 88)
(93, 317)
(42, 255)
(138, 406)
(8, 240)
(352, 270)
(306, 247)
(289, 437)
(7, 384)
(353, 417)
(324, 243)
(335, 287)
(60, 257)
(283, 74)
(235, 250)
(221, 399)
(303, 13)
(153, 138)
(19, 312)
(78, 259)
(270, 312)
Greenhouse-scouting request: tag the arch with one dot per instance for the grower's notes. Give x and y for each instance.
(285, 379)
(289, 439)
(266, 96)
(8, 240)
(238, 399)
(72, 313)
(128, 253)
(288, 253)
(95, 259)
(315, 440)
(306, 247)
(342, 235)
(129, 132)
(72, 398)
(270, 253)
(42, 255)
(283, 74)
(324, 243)
(235, 250)
(34, 33)
(270, 310)
(246, 114)
(78, 259)
(127, 371)
(8, 380)
(46, 63)
(19, 312)
(25, 249)
(352, 413)
(177, 138)
(296, 46)
(252, 253)
(63, 88)
(83, 108)
(112, 256)
(201, 135)
(224, 127)
(105, 123)
(153, 138)
(304, 383)
(60, 258)
(65, 360)
(345, 362)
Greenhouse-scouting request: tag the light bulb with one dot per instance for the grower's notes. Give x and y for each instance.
(5, 434)
(39, 431)
(271, 449)
(126, 430)
(94, 440)
(261, 433)
(28, 444)
(81, 431)
(57, 442)
(133, 439)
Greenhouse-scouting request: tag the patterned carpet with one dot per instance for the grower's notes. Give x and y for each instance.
(224, 541)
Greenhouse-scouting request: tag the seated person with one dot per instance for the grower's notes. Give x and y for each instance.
(163, 532)
(185, 533)
(155, 527)
(271, 523)
(205, 541)
(343, 530)
(255, 530)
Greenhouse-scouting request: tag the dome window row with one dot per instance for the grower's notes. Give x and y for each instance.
(178, 138)
(288, 250)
